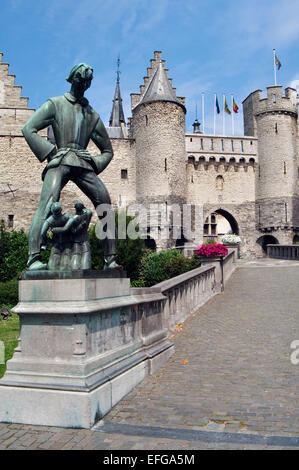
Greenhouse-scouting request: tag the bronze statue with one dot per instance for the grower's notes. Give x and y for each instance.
(60, 257)
(74, 123)
(76, 230)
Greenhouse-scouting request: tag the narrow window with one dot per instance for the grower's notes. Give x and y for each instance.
(190, 139)
(219, 182)
(146, 120)
(259, 214)
(232, 144)
(124, 174)
(212, 144)
(10, 220)
(201, 144)
(276, 128)
(284, 168)
(222, 145)
(274, 98)
(242, 148)
(165, 164)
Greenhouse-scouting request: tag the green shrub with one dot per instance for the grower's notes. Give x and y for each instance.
(13, 252)
(9, 293)
(129, 252)
(192, 263)
(138, 283)
(142, 263)
(165, 265)
(9, 333)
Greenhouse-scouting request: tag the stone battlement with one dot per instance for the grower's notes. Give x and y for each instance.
(275, 101)
(227, 163)
(14, 111)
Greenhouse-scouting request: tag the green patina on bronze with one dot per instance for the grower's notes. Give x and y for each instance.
(74, 123)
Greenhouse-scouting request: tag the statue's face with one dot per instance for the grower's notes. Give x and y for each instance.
(83, 77)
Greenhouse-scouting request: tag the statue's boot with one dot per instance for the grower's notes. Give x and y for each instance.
(110, 263)
(34, 263)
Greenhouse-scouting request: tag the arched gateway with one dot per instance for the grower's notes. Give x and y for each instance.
(264, 241)
(218, 223)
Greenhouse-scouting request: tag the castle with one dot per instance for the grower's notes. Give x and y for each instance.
(247, 184)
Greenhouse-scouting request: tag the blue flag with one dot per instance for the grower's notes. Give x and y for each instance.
(217, 106)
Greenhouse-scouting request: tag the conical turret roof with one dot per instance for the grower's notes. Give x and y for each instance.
(159, 89)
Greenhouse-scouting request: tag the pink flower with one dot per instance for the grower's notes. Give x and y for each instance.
(211, 250)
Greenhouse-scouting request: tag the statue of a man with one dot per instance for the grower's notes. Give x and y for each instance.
(74, 123)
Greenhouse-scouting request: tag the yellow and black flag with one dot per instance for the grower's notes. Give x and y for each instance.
(226, 108)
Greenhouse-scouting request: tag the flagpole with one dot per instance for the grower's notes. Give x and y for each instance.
(233, 126)
(203, 111)
(214, 113)
(223, 117)
(274, 54)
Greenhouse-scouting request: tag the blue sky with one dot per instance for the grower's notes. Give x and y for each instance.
(209, 46)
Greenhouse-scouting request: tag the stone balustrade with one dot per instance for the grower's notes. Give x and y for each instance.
(186, 293)
(290, 252)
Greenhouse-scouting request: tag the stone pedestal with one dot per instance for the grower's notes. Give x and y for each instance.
(84, 344)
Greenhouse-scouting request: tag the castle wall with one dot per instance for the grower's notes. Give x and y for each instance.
(216, 183)
(244, 215)
(228, 187)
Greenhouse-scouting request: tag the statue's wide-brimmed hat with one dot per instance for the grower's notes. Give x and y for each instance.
(87, 72)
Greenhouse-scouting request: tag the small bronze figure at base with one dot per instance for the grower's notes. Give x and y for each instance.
(70, 247)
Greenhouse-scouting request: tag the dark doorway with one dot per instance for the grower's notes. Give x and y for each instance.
(266, 240)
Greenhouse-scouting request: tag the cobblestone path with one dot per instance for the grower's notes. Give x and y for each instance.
(230, 384)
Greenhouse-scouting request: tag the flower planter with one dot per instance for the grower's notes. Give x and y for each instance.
(234, 246)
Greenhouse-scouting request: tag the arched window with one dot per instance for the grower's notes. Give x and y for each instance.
(219, 182)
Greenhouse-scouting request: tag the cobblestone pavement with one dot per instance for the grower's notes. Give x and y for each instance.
(230, 384)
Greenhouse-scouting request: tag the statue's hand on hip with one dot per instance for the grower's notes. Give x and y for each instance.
(85, 155)
(52, 155)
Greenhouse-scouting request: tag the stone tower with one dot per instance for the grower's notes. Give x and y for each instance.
(273, 120)
(158, 127)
